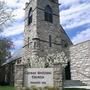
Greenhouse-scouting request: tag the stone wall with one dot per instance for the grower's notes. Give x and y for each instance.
(80, 62)
(19, 72)
(39, 31)
(7, 74)
(58, 78)
(37, 40)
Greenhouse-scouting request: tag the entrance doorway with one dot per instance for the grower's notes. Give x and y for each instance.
(67, 72)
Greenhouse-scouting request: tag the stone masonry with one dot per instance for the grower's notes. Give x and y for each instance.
(39, 30)
(80, 62)
(37, 46)
(36, 38)
(37, 41)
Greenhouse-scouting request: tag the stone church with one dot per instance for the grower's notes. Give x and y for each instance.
(43, 35)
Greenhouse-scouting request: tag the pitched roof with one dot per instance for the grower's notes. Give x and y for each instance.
(15, 56)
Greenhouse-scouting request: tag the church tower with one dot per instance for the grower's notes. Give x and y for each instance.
(43, 33)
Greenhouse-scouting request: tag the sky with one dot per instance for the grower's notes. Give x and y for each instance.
(74, 17)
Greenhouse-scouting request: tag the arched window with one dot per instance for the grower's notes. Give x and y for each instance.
(30, 16)
(48, 14)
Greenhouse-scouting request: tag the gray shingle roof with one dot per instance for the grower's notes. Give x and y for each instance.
(16, 55)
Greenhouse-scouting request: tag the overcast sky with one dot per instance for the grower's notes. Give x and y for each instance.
(74, 17)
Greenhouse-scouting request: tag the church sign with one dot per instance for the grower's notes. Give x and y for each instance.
(39, 77)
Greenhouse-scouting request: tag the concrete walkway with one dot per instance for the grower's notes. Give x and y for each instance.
(86, 87)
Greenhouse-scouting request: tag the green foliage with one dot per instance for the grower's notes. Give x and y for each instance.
(6, 88)
(35, 88)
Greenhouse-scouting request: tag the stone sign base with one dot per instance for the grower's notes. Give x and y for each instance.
(39, 77)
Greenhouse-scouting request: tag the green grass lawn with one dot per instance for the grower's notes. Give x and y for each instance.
(74, 89)
(6, 88)
(12, 88)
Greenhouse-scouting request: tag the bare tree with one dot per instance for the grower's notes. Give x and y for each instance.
(5, 15)
(5, 46)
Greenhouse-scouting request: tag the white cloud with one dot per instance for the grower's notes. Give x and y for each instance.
(75, 16)
(19, 14)
(18, 10)
(15, 30)
(78, 14)
(16, 3)
(72, 2)
(18, 43)
(81, 36)
(69, 2)
(17, 6)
